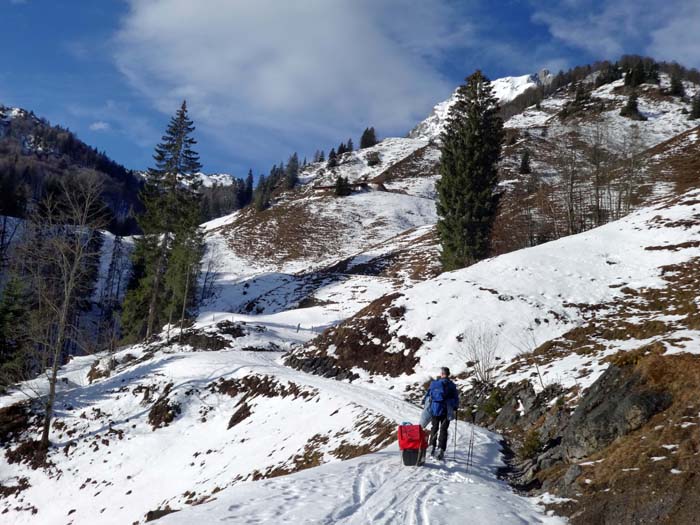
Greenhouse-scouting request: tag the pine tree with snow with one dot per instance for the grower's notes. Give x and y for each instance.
(342, 148)
(525, 163)
(350, 146)
(332, 159)
(368, 138)
(467, 190)
(172, 216)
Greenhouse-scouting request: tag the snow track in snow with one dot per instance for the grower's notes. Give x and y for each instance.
(376, 489)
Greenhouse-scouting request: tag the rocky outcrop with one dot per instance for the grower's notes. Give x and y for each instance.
(615, 405)
(624, 451)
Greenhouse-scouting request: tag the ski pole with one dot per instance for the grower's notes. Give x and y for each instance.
(470, 452)
(454, 449)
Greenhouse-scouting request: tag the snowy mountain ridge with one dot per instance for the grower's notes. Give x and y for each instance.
(504, 89)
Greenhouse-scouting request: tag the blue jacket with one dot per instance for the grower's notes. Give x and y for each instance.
(444, 397)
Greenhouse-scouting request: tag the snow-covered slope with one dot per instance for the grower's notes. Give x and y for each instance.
(171, 429)
(535, 295)
(505, 89)
(216, 179)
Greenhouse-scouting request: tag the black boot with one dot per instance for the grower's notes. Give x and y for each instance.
(432, 452)
(441, 454)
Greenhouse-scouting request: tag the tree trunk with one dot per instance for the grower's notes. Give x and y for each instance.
(156, 288)
(184, 303)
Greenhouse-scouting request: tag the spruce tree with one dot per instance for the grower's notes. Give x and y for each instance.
(631, 109)
(525, 163)
(171, 218)
(635, 75)
(342, 187)
(677, 89)
(332, 159)
(581, 95)
(368, 138)
(342, 148)
(467, 190)
(248, 192)
(322, 156)
(291, 171)
(350, 146)
(261, 196)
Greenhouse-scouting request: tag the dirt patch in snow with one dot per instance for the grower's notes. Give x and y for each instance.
(164, 411)
(380, 431)
(14, 420)
(260, 385)
(363, 341)
(30, 453)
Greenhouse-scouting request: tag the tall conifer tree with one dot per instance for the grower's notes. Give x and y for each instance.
(169, 252)
(467, 190)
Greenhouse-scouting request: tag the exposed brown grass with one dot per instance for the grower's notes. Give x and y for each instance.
(628, 478)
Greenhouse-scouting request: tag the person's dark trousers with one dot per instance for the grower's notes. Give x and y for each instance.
(439, 425)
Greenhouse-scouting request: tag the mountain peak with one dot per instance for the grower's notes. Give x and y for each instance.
(505, 89)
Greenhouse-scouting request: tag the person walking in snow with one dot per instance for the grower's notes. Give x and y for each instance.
(444, 399)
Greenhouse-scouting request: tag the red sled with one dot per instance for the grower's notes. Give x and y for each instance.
(413, 443)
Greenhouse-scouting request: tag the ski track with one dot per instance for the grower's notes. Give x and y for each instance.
(376, 488)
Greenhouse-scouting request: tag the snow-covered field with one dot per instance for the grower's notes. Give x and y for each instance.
(376, 489)
(112, 465)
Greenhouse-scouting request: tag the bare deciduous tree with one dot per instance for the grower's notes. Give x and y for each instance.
(56, 252)
(479, 345)
(526, 346)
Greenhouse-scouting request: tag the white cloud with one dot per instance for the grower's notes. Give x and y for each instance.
(665, 30)
(677, 38)
(100, 125)
(119, 117)
(261, 73)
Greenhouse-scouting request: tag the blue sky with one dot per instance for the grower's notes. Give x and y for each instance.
(264, 78)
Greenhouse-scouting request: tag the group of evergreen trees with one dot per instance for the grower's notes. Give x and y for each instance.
(368, 138)
(636, 69)
(219, 200)
(35, 154)
(284, 176)
(167, 257)
(640, 71)
(342, 187)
